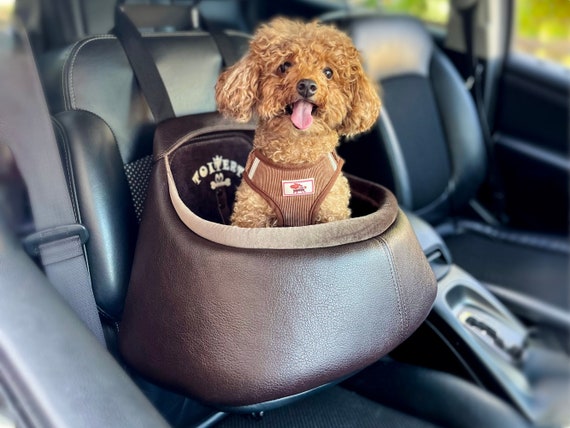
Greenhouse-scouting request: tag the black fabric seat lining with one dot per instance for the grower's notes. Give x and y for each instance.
(138, 176)
(335, 407)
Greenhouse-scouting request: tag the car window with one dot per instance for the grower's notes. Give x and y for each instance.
(542, 29)
(433, 12)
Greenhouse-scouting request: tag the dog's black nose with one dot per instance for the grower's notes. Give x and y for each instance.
(307, 88)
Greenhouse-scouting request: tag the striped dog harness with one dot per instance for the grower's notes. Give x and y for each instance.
(294, 192)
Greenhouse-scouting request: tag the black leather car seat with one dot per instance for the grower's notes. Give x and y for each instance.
(428, 147)
(57, 24)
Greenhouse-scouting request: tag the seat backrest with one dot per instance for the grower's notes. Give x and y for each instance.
(428, 145)
(105, 131)
(53, 24)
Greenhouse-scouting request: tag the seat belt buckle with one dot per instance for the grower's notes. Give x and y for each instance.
(33, 242)
(469, 82)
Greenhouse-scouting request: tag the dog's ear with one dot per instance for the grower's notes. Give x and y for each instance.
(365, 105)
(236, 89)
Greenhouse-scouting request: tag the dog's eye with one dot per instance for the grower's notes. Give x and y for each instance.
(284, 67)
(328, 73)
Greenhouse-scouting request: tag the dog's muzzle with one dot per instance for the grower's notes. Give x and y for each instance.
(307, 88)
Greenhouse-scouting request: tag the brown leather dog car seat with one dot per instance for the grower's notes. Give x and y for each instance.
(255, 315)
(237, 316)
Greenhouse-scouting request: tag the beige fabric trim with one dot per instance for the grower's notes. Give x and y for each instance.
(253, 168)
(314, 236)
(333, 162)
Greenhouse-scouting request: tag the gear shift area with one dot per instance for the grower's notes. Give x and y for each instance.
(531, 374)
(488, 324)
(500, 339)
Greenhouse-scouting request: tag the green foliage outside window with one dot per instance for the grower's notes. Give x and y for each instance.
(541, 27)
(432, 11)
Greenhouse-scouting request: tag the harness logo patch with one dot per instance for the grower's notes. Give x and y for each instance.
(298, 187)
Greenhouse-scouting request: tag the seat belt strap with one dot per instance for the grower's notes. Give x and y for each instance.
(26, 127)
(142, 62)
(228, 52)
(143, 66)
(475, 85)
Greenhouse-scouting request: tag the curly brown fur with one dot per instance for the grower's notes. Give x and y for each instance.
(264, 85)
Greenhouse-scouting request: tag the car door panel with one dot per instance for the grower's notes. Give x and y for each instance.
(531, 138)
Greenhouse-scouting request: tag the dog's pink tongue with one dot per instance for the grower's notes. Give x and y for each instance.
(301, 116)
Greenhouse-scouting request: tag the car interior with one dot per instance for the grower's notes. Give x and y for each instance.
(480, 171)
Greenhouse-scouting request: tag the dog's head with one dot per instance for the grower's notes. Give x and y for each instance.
(307, 76)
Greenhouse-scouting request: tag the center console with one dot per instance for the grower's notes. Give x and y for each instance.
(503, 354)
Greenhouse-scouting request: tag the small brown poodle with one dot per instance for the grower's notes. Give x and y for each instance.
(305, 85)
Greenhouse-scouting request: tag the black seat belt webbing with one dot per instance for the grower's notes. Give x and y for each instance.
(144, 67)
(143, 64)
(474, 83)
(227, 50)
(26, 127)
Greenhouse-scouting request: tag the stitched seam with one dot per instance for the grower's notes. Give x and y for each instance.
(69, 97)
(67, 164)
(63, 79)
(397, 286)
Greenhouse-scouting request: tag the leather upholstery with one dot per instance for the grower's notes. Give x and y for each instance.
(103, 123)
(435, 158)
(108, 215)
(442, 154)
(79, 80)
(254, 325)
(462, 130)
(63, 22)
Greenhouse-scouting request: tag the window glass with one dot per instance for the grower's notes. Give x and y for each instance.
(432, 11)
(542, 29)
